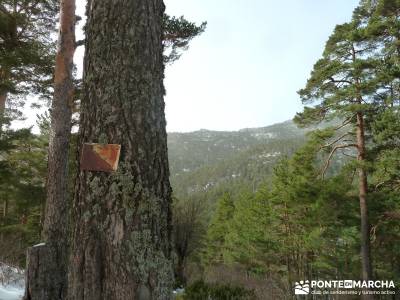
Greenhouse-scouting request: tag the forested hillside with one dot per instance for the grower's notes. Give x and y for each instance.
(204, 160)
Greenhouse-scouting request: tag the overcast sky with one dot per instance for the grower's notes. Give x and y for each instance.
(245, 69)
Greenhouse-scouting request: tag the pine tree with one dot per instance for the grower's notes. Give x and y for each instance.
(26, 48)
(55, 227)
(121, 246)
(178, 32)
(250, 240)
(22, 180)
(342, 85)
(383, 29)
(218, 229)
(48, 280)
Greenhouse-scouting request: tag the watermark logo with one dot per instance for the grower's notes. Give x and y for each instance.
(348, 284)
(302, 287)
(344, 287)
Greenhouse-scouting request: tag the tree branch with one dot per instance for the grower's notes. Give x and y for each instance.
(336, 140)
(79, 43)
(339, 80)
(328, 161)
(346, 122)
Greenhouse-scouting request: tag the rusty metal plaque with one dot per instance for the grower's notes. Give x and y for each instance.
(100, 157)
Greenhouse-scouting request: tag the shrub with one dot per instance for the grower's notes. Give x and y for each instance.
(201, 290)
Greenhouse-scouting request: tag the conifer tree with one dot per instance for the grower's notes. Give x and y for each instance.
(22, 180)
(26, 48)
(342, 85)
(48, 280)
(178, 32)
(218, 228)
(249, 240)
(121, 240)
(383, 30)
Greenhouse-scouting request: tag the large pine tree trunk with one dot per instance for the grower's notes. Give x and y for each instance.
(363, 188)
(47, 264)
(121, 243)
(366, 264)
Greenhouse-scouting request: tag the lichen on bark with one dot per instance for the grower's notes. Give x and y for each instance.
(121, 242)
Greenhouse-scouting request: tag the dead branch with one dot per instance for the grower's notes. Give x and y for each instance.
(336, 140)
(345, 122)
(328, 161)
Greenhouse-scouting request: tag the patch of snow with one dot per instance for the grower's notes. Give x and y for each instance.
(12, 282)
(39, 245)
(179, 291)
(11, 293)
(263, 135)
(208, 185)
(266, 155)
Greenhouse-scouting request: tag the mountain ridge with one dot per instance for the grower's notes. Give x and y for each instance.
(204, 160)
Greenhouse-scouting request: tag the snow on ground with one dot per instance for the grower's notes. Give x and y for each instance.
(11, 292)
(11, 282)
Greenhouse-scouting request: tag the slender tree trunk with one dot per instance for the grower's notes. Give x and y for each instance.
(180, 271)
(121, 242)
(56, 209)
(362, 190)
(3, 99)
(5, 208)
(4, 216)
(48, 269)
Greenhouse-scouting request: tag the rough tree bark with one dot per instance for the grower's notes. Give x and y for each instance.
(47, 263)
(121, 244)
